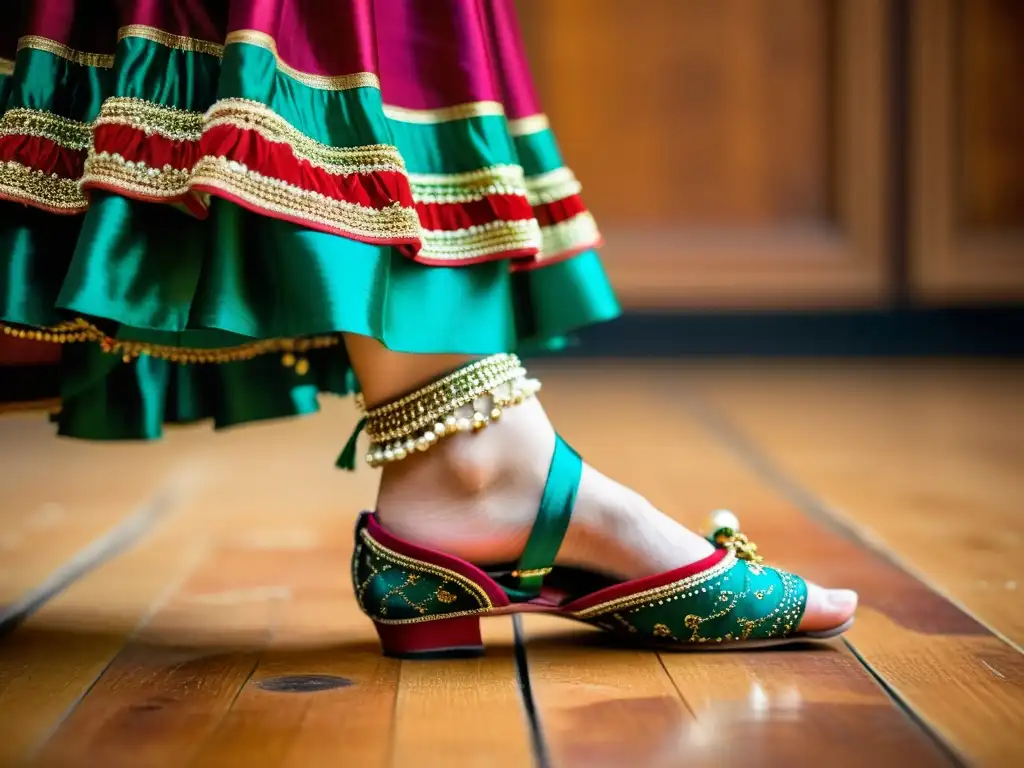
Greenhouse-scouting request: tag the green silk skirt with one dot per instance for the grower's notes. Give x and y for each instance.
(197, 205)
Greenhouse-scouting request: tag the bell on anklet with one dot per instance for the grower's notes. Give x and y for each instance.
(421, 419)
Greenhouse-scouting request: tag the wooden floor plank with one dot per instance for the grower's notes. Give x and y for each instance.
(166, 691)
(389, 715)
(49, 662)
(777, 708)
(958, 677)
(178, 679)
(200, 683)
(599, 705)
(923, 458)
(318, 632)
(760, 708)
(266, 538)
(58, 497)
(464, 712)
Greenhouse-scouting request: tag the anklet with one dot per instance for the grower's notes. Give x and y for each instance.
(418, 420)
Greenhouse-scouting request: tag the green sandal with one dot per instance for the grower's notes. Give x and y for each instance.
(425, 603)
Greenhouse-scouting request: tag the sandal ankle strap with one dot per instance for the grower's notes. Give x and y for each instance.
(552, 521)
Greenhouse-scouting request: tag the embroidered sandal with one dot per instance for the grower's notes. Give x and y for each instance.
(425, 603)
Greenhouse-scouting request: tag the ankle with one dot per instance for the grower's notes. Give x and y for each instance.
(474, 495)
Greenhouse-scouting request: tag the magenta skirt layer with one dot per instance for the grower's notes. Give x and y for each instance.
(411, 123)
(199, 199)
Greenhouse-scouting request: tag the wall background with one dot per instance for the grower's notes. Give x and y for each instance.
(794, 154)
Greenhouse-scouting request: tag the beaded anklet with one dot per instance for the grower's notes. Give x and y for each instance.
(467, 399)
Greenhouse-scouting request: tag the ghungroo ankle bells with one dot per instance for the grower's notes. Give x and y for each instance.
(465, 400)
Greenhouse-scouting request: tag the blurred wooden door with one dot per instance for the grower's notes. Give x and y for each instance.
(734, 151)
(967, 143)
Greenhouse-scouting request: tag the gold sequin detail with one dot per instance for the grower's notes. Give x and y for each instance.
(443, 114)
(6, 67)
(552, 186)
(531, 572)
(399, 591)
(402, 561)
(111, 169)
(62, 333)
(38, 43)
(693, 622)
(245, 114)
(176, 124)
(63, 131)
(576, 233)
(25, 185)
(783, 617)
(738, 542)
(444, 596)
(468, 187)
(650, 596)
(660, 630)
(480, 240)
(431, 405)
(477, 376)
(322, 82)
(523, 126)
(81, 330)
(389, 224)
(171, 41)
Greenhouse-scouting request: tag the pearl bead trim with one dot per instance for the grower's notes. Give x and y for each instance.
(465, 401)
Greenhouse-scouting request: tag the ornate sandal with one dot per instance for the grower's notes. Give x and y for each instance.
(425, 603)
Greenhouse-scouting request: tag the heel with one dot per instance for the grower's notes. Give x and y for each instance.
(438, 639)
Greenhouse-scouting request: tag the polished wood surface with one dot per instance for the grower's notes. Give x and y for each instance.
(172, 653)
(601, 705)
(229, 634)
(786, 703)
(734, 151)
(61, 505)
(922, 459)
(921, 644)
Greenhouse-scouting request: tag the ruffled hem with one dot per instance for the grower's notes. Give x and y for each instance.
(225, 215)
(245, 313)
(178, 120)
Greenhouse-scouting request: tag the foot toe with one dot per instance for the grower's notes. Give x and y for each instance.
(827, 608)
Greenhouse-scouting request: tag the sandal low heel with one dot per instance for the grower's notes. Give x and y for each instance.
(439, 639)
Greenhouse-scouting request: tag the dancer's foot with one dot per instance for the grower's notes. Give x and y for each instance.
(476, 495)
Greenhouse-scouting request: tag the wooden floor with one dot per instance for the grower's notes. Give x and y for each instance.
(187, 603)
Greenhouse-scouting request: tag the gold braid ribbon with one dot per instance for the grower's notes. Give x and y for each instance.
(417, 421)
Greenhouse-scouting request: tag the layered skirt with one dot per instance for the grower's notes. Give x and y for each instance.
(198, 197)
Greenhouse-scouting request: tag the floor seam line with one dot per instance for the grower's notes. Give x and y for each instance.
(540, 750)
(111, 543)
(171, 494)
(760, 463)
(941, 743)
(814, 507)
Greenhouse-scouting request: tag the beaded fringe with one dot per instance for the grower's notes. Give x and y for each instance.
(466, 400)
(80, 330)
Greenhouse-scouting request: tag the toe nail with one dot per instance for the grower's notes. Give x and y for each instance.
(842, 598)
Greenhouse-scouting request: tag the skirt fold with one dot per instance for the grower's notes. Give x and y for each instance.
(198, 198)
